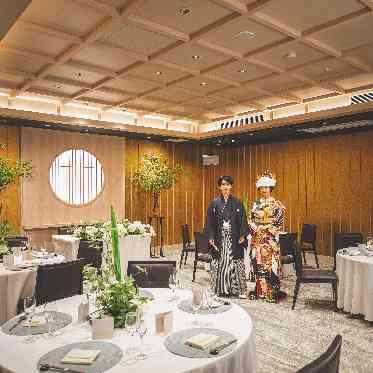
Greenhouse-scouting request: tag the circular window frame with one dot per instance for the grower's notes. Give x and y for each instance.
(82, 205)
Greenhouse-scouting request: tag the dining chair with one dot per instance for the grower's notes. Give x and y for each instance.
(16, 241)
(287, 242)
(202, 251)
(91, 252)
(343, 240)
(58, 281)
(187, 247)
(151, 273)
(308, 241)
(313, 276)
(328, 362)
(68, 230)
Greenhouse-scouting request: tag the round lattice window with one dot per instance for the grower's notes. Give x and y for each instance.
(76, 177)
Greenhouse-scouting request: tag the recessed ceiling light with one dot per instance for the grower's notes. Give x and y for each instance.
(196, 57)
(184, 11)
(86, 130)
(47, 125)
(158, 73)
(149, 137)
(248, 35)
(327, 69)
(233, 140)
(203, 84)
(291, 54)
(242, 71)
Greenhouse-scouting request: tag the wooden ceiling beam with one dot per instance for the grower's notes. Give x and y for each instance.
(26, 53)
(90, 68)
(234, 5)
(101, 7)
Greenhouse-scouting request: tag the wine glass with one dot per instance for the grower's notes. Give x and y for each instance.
(29, 304)
(172, 285)
(51, 310)
(131, 326)
(141, 330)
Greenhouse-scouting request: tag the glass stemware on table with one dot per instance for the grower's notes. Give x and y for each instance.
(29, 305)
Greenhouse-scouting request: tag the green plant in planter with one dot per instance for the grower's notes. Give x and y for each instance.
(115, 295)
(154, 175)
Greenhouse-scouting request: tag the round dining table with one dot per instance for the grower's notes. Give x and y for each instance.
(23, 357)
(355, 286)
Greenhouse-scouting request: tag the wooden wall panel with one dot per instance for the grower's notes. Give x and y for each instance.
(327, 181)
(10, 198)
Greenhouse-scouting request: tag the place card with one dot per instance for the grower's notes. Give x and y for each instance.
(103, 328)
(79, 356)
(163, 323)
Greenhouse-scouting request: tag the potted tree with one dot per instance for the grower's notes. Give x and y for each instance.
(154, 175)
(10, 172)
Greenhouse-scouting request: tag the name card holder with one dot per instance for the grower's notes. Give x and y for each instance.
(163, 323)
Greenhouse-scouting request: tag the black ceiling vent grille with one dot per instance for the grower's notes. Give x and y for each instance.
(239, 122)
(362, 98)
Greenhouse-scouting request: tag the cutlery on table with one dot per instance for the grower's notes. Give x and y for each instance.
(21, 318)
(221, 347)
(55, 368)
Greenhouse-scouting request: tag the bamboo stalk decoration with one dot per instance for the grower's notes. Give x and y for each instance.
(115, 245)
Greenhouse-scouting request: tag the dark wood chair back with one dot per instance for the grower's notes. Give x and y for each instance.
(16, 241)
(58, 281)
(308, 234)
(65, 230)
(287, 243)
(91, 252)
(328, 362)
(155, 274)
(343, 240)
(185, 235)
(298, 264)
(202, 243)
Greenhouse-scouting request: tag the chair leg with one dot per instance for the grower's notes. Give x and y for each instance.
(194, 270)
(186, 257)
(296, 290)
(317, 260)
(335, 295)
(181, 258)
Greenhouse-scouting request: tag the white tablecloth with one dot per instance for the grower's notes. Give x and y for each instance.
(66, 245)
(355, 289)
(15, 285)
(22, 358)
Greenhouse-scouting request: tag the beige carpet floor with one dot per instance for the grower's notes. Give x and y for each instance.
(287, 340)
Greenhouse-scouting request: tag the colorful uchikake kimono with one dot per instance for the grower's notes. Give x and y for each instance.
(266, 220)
(226, 222)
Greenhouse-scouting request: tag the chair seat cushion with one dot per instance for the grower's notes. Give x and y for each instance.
(319, 275)
(204, 258)
(287, 259)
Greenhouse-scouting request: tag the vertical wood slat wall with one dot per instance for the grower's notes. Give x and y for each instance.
(10, 198)
(327, 181)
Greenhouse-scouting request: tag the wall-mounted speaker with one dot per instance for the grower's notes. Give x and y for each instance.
(210, 160)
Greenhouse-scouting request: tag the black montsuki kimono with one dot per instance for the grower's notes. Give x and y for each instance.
(226, 222)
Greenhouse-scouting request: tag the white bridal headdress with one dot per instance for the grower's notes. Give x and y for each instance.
(267, 179)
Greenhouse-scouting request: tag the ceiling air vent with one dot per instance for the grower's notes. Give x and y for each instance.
(362, 98)
(239, 122)
(337, 126)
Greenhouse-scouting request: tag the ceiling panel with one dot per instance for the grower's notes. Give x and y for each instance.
(239, 94)
(364, 53)
(243, 35)
(158, 73)
(278, 56)
(136, 39)
(106, 96)
(72, 72)
(201, 13)
(350, 34)
(55, 88)
(8, 81)
(311, 92)
(64, 15)
(305, 14)
(110, 58)
(172, 94)
(240, 71)
(23, 38)
(327, 69)
(356, 81)
(278, 82)
(20, 62)
(144, 103)
(273, 101)
(195, 84)
(207, 102)
(131, 84)
(183, 56)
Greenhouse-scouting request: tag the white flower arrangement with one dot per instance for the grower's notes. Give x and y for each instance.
(102, 231)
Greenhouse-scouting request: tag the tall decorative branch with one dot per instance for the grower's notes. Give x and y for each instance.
(115, 245)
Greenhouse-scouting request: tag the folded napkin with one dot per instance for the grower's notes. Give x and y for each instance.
(354, 252)
(202, 340)
(79, 356)
(35, 321)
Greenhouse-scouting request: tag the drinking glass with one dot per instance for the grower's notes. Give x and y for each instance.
(131, 326)
(141, 330)
(172, 285)
(51, 317)
(29, 305)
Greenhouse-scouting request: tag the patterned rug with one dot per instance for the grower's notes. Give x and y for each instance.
(287, 340)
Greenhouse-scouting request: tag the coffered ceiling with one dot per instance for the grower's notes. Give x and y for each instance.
(197, 59)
